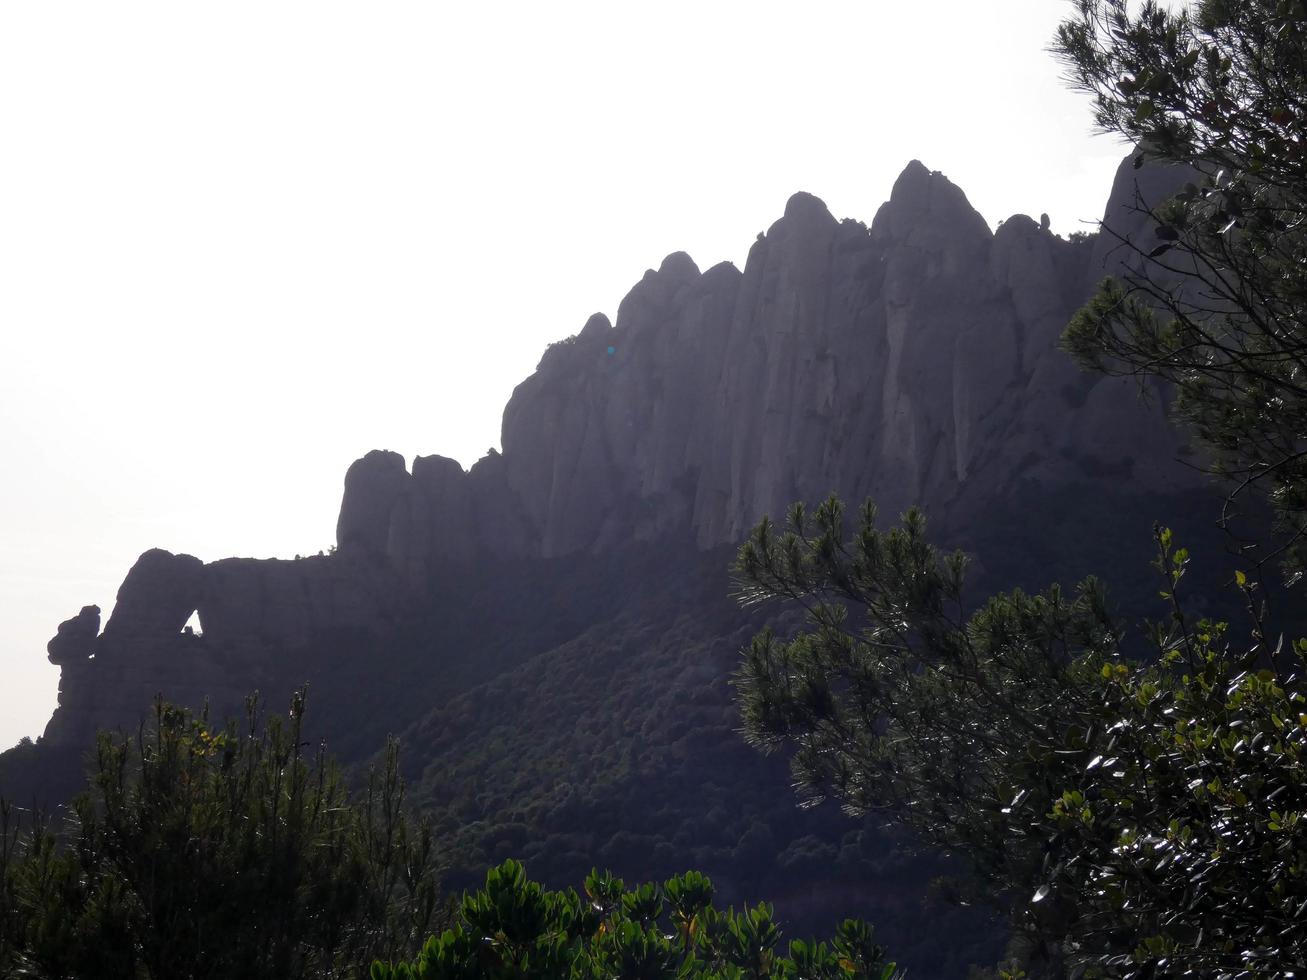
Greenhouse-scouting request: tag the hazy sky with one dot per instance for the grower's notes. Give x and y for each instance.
(243, 243)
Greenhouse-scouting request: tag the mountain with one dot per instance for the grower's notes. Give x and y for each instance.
(552, 632)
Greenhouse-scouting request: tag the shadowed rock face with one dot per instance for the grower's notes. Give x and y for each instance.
(912, 361)
(158, 596)
(76, 637)
(374, 486)
(251, 613)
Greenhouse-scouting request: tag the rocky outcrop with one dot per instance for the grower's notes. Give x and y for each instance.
(913, 360)
(76, 638)
(158, 596)
(252, 613)
(374, 487)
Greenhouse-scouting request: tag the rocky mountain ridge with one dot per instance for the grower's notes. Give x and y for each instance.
(913, 360)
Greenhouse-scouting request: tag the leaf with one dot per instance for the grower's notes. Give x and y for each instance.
(1041, 893)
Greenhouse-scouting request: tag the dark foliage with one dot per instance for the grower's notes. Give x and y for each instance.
(1141, 819)
(621, 747)
(514, 928)
(205, 851)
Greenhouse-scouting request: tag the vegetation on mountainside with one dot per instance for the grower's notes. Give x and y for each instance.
(621, 749)
(209, 851)
(1143, 817)
(1130, 814)
(513, 927)
(222, 852)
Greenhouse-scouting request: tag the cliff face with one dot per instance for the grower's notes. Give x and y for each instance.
(251, 612)
(913, 360)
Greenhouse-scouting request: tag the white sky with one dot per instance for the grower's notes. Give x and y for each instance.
(243, 243)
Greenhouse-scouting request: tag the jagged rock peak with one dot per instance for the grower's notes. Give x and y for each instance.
(900, 362)
(597, 325)
(678, 265)
(805, 221)
(803, 206)
(923, 197)
(917, 182)
(649, 299)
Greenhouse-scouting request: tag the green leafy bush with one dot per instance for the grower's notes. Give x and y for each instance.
(513, 927)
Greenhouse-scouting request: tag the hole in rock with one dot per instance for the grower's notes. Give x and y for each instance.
(193, 624)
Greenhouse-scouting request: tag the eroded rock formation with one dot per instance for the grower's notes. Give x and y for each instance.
(76, 638)
(251, 613)
(913, 360)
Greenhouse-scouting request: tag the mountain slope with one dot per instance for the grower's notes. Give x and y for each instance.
(553, 632)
